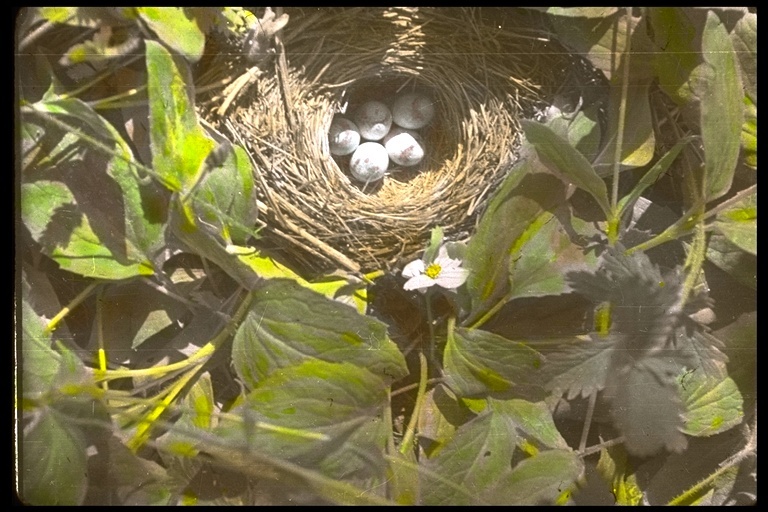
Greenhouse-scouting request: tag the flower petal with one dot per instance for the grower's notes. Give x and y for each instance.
(413, 269)
(451, 278)
(418, 282)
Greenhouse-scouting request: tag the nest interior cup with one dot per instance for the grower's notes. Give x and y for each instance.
(485, 69)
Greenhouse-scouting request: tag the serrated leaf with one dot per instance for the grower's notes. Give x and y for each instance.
(440, 416)
(179, 144)
(719, 89)
(53, 465)
(288, 324)
(539, 480)
(539, 266)
(477, 456)
(336, 427)
(567, 161)
(580, 368)
(176, 27)
(138, 481)
(526, 192)
(647, 424)
(711, 405)
(478, 362)
(739, 223)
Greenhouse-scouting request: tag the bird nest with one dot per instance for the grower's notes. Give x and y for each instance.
(485, 69)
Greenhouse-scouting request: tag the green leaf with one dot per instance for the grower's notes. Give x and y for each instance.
(440, 416)
(744, 37)
(179, 144)
(650, 177)
(544, 479)
(538, 268)
(533, 421)
(711, 405)
(718, 87)
(638, 141)
(477, 456)
(585, 12)
(138, 481)
(336, 427)
(177, 28)
(288, 324)
(197, 412)
(733, 260)
(616, 470)
(41, 362)
(739, 223)
(602, 39)
(567, 161)
(749, 133)
(53, 465)
(225, 199)
(478, 362)
(526, 192)
(81, 197)
(678, 50)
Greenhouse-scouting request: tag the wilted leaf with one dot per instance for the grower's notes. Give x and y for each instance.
(525, 194)
(711, 405)
(288, 324)
(176, 27)
(718, 87)
(478, 362)
(538, 480)
(567, 161)
(53, 465)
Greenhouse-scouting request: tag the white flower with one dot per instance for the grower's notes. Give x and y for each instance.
(445, 272)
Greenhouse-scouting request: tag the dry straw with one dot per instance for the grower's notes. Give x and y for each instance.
(485, 69)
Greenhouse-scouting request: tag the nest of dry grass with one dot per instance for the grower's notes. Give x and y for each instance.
(486, 69)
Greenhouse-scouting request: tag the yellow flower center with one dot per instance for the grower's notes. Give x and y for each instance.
(433, 270)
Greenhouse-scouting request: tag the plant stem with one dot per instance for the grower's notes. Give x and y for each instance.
(69, 307)
(622, 112)
(430, 323)
(588, 421)
(410, 432)
(495, 309)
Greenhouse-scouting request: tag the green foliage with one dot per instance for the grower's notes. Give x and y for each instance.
(190, 364)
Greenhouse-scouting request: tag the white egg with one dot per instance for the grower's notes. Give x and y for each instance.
(369, 162)
(343, 136)
(413, 111)
(404, 147)
(374, 119)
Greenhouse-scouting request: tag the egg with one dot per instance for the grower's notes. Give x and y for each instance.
(374, 119)
(404, 147)
(343, 136)
(413, 111)
(369, 162)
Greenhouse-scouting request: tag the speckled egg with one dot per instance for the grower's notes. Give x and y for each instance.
(369, 162)
(374, 119)
(343, 136)
(404, 147)
(413, 111)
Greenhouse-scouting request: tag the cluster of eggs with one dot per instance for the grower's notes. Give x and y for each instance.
(377, 135)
